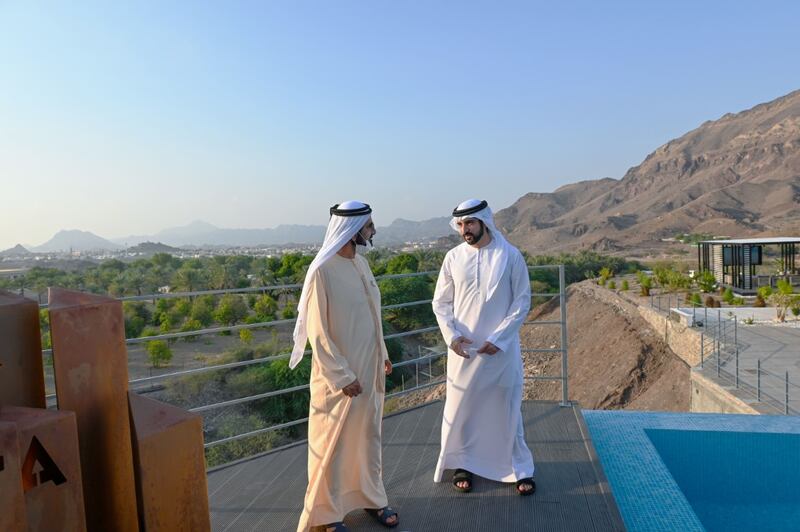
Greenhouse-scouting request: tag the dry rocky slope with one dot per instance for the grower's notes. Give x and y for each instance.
(739, 175)
(616, 360)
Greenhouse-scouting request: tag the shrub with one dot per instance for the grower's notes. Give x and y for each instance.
(159, 353)
(191, 325)
(706, 281)
(738, 301)
(795, 311)
(695, 300)
(727, 296)
(710, 301)
(625, 284)
(612, 285)
(246, 336)
(645, 282)
(759, 302)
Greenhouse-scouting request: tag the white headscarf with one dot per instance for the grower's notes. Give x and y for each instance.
(497, 255)
(340, 230)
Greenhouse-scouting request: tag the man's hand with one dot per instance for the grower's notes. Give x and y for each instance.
(387, 366)
(488, 348)
(352, 389)
(459, 345)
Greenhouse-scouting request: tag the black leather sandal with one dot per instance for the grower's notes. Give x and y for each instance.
(462, 475)
(382, 515)
(526, 482)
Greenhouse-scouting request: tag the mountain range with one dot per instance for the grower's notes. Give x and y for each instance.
(736, 176)
(201, 233)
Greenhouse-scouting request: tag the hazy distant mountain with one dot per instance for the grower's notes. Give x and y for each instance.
(16, 252)
(401, 230)
(200, 233)
(76, 241)
(737, 176)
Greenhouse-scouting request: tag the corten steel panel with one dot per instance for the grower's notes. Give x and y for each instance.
(49, 466)
(12, 499)
(21, 373)
(91, 374)
(170, 467)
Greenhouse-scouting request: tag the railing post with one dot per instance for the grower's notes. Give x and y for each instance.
(702, 348)
(737, 367)
(786, 403)
(719, 325)
(758, 380)
(563, 304)
(735, 330)
(717, 342)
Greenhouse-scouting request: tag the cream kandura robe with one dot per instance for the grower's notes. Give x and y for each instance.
(344, 434)
(482, 428)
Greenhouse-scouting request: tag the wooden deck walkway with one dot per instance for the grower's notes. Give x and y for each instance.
(266, 493)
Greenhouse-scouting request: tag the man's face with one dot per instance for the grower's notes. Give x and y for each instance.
(471, 230)
(366, 233)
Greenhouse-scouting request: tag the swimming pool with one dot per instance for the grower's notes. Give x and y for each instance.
(677, 471)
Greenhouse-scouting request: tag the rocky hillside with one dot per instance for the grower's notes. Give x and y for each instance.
(616, 360)
(736, 176)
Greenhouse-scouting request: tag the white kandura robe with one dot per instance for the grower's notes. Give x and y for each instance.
(482, 429)
(344, 434)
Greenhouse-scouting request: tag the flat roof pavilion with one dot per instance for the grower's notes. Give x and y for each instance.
(734, 261)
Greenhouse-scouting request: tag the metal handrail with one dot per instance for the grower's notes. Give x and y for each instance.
(305, 387)
(248, 289)
(722, 342)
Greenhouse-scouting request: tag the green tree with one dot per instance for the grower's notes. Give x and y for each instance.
(137, 316)
(203, 310)
(188, 279)
(265, 308)
(246, 336)
(783, 298)
(230, 310)
(402, 263)
(159, 353)
(191, 325)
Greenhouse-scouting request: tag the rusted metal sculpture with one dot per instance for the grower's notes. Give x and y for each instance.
(91, 373)
(12, 499)
(21, 374)
(170, 467)
(47, 465)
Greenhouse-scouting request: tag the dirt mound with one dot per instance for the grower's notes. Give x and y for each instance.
(616, 360)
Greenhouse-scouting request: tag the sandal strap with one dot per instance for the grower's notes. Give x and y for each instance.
(461, 475)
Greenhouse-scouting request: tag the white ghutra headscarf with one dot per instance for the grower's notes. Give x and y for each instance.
(497, 255)
(347, 219)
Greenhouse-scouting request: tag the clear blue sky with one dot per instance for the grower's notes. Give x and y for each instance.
(126, 118)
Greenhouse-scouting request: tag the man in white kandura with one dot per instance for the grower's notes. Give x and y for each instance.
(481, 300)
(339, 312)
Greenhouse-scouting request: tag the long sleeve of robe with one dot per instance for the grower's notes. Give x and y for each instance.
(344, 434)
(482, 429)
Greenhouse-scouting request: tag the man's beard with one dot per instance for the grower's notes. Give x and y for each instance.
(361, 241)
(471, 238)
